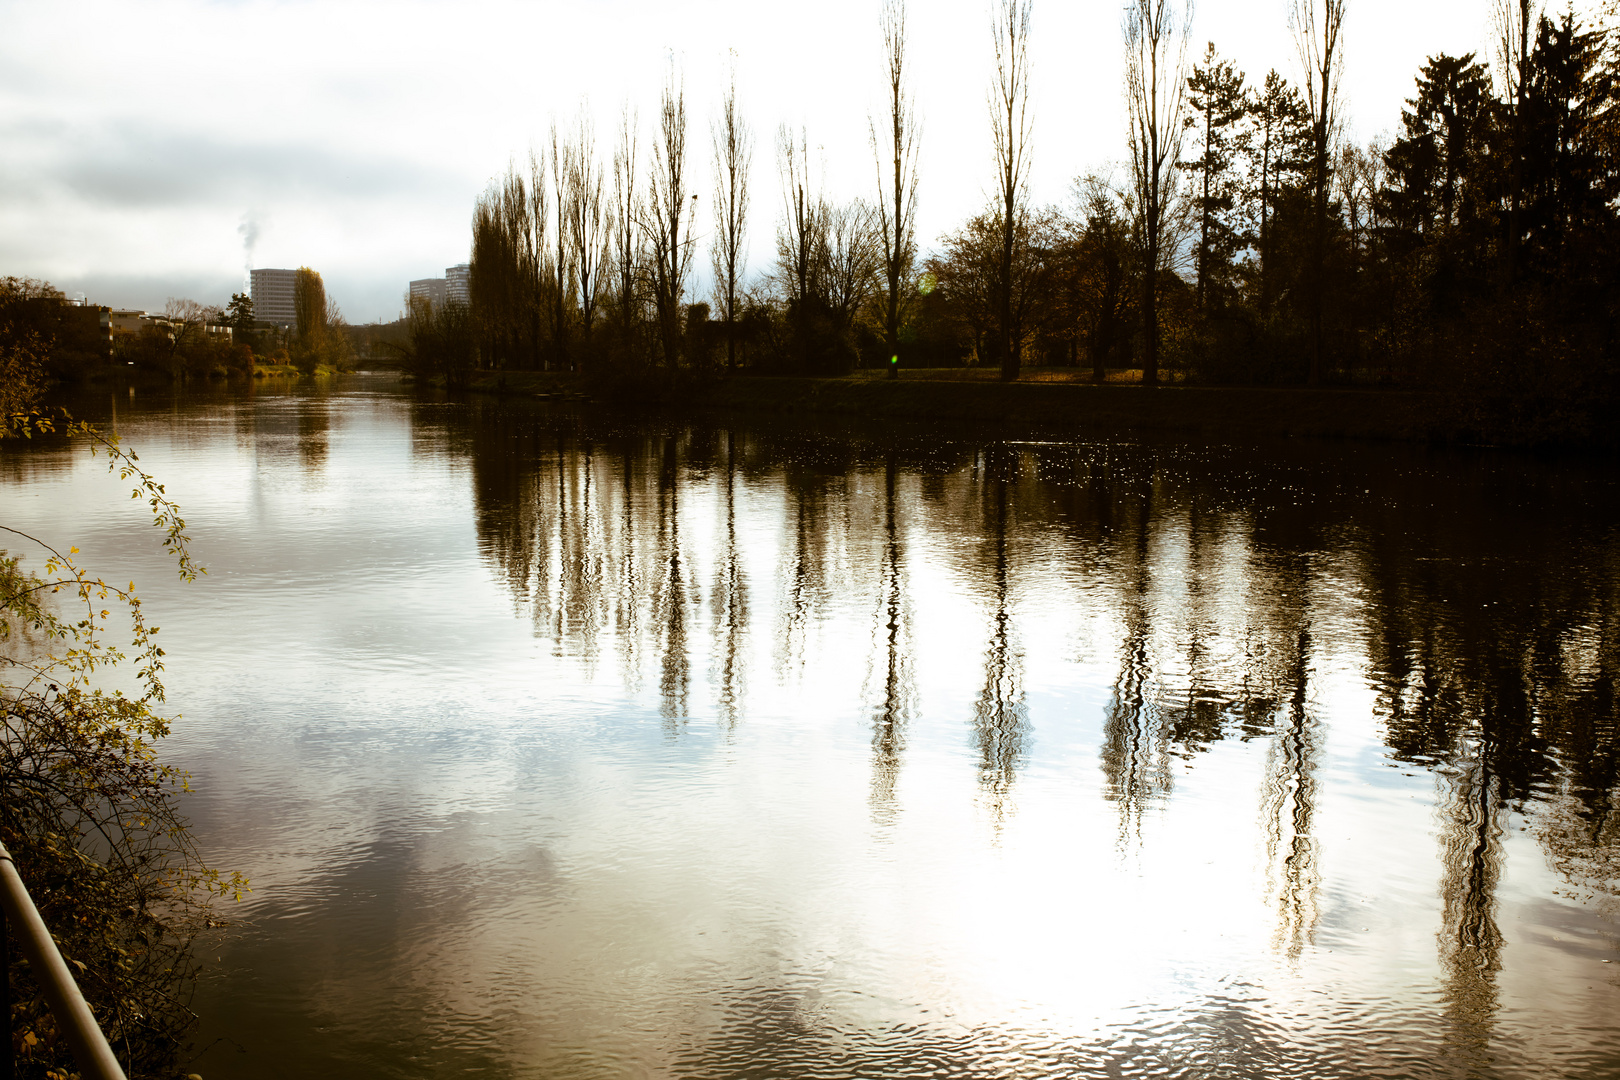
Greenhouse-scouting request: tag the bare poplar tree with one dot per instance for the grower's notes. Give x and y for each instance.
(587, 223)
(1318, 26)
(1155, 69)
(627, 213)
(1514, 20)
(562, 268)
(536, 255)
(801, 239)
(733, 152)
(668, 217)
(897, 182)
(1009, 130)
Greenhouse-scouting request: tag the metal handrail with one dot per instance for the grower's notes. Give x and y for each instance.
(73, 1016)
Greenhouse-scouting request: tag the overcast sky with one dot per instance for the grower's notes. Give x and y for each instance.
(156, 149)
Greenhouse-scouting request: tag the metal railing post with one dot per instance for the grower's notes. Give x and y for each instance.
(8, 1052)
(73, 1016)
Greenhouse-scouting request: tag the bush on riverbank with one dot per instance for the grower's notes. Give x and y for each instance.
(89, 812)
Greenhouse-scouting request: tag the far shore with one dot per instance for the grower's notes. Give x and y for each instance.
(1045, 399)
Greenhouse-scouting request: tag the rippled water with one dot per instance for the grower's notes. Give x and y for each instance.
(561, 744)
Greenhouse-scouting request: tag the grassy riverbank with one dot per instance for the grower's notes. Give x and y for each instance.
(1037, 402)
(288, 371)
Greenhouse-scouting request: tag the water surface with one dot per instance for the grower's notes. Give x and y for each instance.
(565, 744)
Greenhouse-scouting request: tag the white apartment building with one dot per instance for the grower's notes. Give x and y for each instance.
(273, 296)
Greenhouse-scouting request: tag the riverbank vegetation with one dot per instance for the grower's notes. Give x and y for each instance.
(186, 341)
(88, 810)
(1245, 241)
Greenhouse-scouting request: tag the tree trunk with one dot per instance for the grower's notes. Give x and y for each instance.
(1150, 280)
(1265, 206)
(1203, 216)
(1006, 338)
(1318, 256)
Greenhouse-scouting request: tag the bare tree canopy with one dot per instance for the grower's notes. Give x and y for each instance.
(586, 221)
(851, 263)
(668, 217)
(800, 238)
(1514, 23)
(1318, 27)
(896, 156)
(1009, 132)
(1155, 82)
(733, 153)
(626, 229)
(563, 269)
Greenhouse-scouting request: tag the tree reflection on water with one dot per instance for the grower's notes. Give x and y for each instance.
(1000, 714)
(1233, 583)
(891, 669)
(831, 749)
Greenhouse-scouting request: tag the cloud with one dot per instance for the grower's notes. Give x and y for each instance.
(250, 237)
(137, 166)
(134, 211)
(359, 148)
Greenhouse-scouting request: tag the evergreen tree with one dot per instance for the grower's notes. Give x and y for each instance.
(1217, 101)
(1434, 163)
(1278, 150)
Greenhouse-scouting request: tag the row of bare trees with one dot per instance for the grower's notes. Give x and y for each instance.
(576, 261)
(1248, 240)
(586, 260)
(845, 274)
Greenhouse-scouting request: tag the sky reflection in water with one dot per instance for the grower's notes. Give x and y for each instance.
(560, 744)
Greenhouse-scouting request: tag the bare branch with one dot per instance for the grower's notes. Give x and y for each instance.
(897, 179)
(1009, 133)
(1156, 35)
(669, 214)
(733, 152)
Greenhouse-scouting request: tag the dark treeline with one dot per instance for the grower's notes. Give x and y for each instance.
(1245, 241)
(1494, 668)
(47, 339)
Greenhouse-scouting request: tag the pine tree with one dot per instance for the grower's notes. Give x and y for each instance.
(1217, 101)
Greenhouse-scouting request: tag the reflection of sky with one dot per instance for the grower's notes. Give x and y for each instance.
(476, 843)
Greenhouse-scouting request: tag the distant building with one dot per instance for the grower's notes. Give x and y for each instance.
(273, 296)
(134, 320)
(431, 289)
(456, 288)
(129, 319)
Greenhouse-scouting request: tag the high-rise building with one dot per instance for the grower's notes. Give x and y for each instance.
(273, 296)
(430, 289)
(456, 289)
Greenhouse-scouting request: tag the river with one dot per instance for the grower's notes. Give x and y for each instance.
(560, 743)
